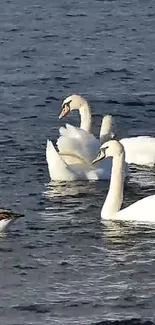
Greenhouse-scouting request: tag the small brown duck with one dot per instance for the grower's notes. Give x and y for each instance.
(7, 217)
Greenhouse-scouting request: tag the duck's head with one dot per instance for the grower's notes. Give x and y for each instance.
(109, 149)
(7, 217)
(70, 103)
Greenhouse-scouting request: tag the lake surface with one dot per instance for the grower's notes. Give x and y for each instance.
(60, 265)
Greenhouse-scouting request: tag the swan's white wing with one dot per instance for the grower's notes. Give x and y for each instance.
(139, 150)
(100, 170)
(142, 210)
(68, 168)
(57, 167)
(78, 142)
(72, 159)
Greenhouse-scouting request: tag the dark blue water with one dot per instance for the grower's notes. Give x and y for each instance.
(61, 265)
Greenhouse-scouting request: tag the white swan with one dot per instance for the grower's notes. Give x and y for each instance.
(74, 141)
(73, 160)
(7, 217)
(77, 147)
(139, 150)
(142, 210)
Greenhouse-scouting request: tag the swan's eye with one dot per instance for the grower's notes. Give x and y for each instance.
(99, 154)
(104, 151)
(65, 109)
(66, 104)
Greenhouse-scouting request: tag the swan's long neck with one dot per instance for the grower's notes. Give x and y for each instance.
(114, 198)
(85, 112)
(106, 129)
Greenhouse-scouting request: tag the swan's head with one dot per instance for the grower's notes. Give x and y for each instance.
(7, 217)
(109, 149)
(70, 103)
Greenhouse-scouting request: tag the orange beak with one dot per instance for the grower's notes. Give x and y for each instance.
(64, 111)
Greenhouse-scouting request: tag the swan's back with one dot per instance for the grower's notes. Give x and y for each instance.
(70, 168)
(139, 150)
(143, 210)
(77, 142)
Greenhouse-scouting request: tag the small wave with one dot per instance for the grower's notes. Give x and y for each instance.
(76, 15)
(111, 101)
(24, 267)
(50, 99)
(14, 29)
(110, 70)
(40, 105)
(37, 308)
(28, 117)
(132, 321)
(6, 250)
(134, 103)
(61, 78)
(49, 36)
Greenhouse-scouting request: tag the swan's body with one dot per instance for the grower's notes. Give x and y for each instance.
(142, 210)
(73, 160)
(77, 147)
(139, 150)
(7, 217)
(80, 141)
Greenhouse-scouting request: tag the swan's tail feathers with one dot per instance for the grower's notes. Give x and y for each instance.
(50, 150)
(57, 167)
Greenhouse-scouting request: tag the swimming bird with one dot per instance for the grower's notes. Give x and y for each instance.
(139, 150)
(143, 210)
(77, 147)
(7, 217)
(73, 159)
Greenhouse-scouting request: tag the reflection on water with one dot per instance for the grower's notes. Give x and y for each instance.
(128, 233)
(143, 176)
(78, 188)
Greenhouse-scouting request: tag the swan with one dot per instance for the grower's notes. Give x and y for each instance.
(74, 140)
(77, 147)
(139, 150)
(7, 217)
(143, 210)
(73, 159)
